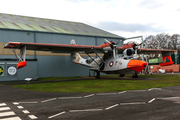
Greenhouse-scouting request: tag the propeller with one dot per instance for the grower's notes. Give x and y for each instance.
(135, 49)
(113, 47)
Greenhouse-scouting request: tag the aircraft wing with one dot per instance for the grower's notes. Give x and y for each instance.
(155, 51)
(61, 48)
(148, 51)
(165, 54)
(67, 48)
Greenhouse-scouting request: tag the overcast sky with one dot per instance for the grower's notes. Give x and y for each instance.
(127, 18)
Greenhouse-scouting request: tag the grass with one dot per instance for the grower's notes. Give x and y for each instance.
(104, 85)
(56, 78)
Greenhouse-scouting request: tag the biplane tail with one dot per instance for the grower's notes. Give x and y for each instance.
(76, 57)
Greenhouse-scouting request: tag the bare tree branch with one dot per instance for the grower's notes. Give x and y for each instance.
(163, 41)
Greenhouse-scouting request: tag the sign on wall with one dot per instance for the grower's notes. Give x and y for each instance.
(11, 70)
(1, 70)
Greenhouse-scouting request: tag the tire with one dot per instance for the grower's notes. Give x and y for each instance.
(97, 74)
(135, 75)
(121, 75)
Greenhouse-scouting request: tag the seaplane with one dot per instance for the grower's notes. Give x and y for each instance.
(109, 59)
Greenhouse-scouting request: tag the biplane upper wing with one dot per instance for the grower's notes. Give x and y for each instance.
(62, 48)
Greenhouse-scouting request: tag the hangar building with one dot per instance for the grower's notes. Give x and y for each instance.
(17, 28)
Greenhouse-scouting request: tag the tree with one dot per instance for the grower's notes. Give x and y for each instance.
(163, 41)
(175, 42)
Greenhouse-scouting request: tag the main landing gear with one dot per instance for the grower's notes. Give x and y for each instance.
(97, 74)
(135, 75)
(121, 75)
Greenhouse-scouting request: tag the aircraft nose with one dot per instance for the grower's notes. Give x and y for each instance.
(137, 65)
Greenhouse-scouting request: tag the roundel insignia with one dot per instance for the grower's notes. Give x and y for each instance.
(111, 63)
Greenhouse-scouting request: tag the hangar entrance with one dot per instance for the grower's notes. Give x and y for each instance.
(9, 71)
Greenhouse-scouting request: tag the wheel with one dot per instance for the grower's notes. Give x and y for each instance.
(135, 75)
(97, 74)
(121, 75)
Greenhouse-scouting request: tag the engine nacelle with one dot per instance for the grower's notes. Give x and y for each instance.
(128, 52)
(106, 49)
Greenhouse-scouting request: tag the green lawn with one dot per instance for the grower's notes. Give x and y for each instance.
(104, 85)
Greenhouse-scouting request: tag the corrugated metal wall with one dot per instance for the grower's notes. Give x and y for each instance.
(30, 71)
(49, 66)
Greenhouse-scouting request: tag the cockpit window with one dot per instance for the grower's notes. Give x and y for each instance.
(89, 61)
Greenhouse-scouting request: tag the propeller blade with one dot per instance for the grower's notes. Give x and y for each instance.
(114, 53)
(119, 41)
(113, 47)
(135, 47)
(107, 41)
(136, 53)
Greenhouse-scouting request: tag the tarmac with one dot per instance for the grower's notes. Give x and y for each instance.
(148, 104)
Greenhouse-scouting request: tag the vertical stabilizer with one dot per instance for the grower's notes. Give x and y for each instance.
(75, 57)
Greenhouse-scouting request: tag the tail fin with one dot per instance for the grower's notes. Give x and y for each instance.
(76, 57)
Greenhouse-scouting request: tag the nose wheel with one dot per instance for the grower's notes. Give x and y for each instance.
(97, 74)
(135, 75)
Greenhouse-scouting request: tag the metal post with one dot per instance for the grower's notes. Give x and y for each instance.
(28, 81)
(35, 42)
(142, 54)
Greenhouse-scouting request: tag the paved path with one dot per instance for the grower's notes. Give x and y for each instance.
(149, 104)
